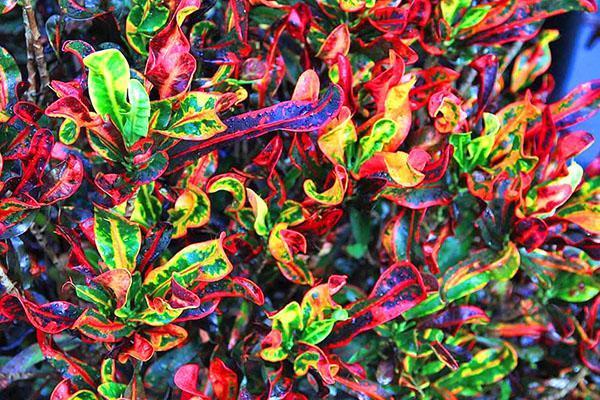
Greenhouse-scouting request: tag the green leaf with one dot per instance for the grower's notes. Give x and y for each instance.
(97, 296)
(361, 231)
(479, 150)
(333, 195)
(143, 22)
(108, 81)
(287, 321)
(292, 213)
(109, 85)
(451, 9)
(470, 153)
(317, 331)
(460, 142)
(99, 328)
(303, 361)
(118, 240)
(473, 16)
(261, 212)
(68, 131)
(231, 184)
(10, 76)
(430, 305)
(108, 370)
(475, 272)
(157, 316)
(137, 119)
(83, 395)
(575, 288)
(146, 207)
(112, 390)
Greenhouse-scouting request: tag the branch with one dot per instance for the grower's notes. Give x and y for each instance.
(35, 51)
(568, 388)
(31, 70)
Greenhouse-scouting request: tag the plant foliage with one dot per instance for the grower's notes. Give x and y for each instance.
(276, 199)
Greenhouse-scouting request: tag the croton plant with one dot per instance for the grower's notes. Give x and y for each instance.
(284, 199)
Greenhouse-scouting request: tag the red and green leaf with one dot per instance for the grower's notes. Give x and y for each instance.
(399, 288)
(53, 317)
(170, 65)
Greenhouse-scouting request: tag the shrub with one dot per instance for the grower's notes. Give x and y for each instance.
(294, 200)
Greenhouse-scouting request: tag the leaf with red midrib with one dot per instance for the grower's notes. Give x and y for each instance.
(398, 289)
(52, 317)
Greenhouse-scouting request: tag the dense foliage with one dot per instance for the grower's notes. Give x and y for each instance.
(281, 199)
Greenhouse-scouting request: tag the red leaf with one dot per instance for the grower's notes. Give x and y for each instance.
(390, 19)
(429, 81)
(204, 309)
(487, 69)
(170, 65)
(231, 287)
(10, 308)
(63, 391)
(141, 349)
(381, 83)
(62, 181)
(186, 379)
(182, 297)
(224, 381)
(521, 21)
(155, 242)
(530, 233)
(119, 281)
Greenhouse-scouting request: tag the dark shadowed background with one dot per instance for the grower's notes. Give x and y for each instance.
(576, 60)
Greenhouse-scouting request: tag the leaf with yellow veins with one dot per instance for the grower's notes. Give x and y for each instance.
(195, 118)
(261, 212)
(397, 109)
(335, 194)
(118, 240)
(400, 170)
(199, 262)
(191, 210)
(340, 133)
(231, 183)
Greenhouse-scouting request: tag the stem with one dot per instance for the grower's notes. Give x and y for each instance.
(38, 233)
(8, 287)
(468, 82)
(7, 379)
(568, 388)
(36, 62)
(510, 56)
